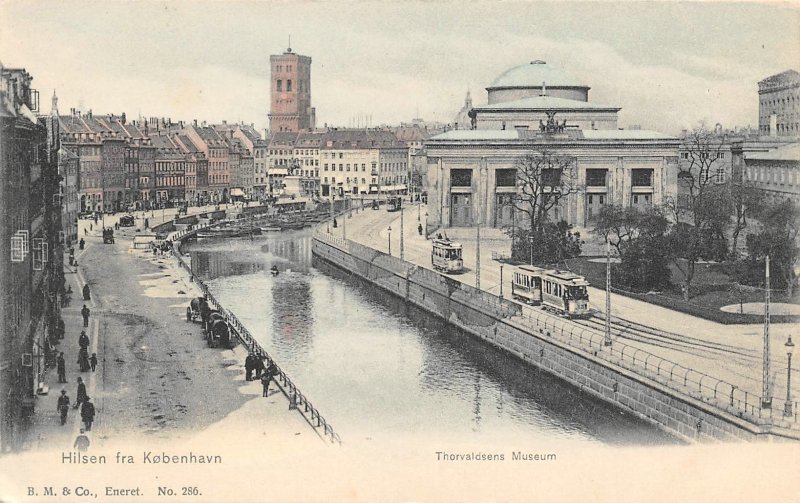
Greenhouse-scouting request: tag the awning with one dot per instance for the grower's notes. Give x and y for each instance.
(237, 192)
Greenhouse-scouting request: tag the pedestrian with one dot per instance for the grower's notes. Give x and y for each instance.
(419, 229)
(258, 362)
(87, 413)
(90, 226)
(93, 361)
(81, 442)
(81, 396)
(249, 365)
(61, 328)
(85, 233)
(82, 243)
(63, 406)
(269, 374)
(85, 314)
(83, 340)
(62, 367)
(83, 360)
(86, 294)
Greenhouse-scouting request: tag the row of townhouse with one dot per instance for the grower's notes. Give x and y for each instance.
(152, 163)
(31, 247)
(353, 161)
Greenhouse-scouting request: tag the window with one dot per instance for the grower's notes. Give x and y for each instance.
(289, 85)
(506, 177)
(642, 177)
(685, 155)
(280, 85)
(460, 177)
(596, 177)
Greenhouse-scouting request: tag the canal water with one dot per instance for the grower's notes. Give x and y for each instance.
(377, 368)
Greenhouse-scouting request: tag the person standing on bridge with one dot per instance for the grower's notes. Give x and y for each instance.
(249, 365)
(85, 314)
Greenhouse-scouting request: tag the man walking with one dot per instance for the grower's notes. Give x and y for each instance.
(81, 442)
(87, 413)
(61, 365)
(63, 406)
(93, 361)
(270, 372)
(249, 365)
(81, 396)
(85, 314)
(83, 340)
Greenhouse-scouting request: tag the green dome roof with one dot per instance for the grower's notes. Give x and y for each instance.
(533, 74)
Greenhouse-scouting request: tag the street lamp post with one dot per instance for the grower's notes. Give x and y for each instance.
(501, 280)
(607, 340)
(402, 225)
(390, 240)
(530, 240)
(766, 395)
(787, 407)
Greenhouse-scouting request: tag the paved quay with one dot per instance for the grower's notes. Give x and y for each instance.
(156, 380)
(731, 353)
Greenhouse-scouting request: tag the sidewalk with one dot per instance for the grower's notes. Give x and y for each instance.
(156, 379)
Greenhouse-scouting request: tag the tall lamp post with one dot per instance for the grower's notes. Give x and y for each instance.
(607, 340)
(390, 240)
(787, 407)
(501, 280)
(530, 240)
(402, 225)
(766, 395)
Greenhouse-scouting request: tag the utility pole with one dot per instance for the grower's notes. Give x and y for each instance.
(402, 230)
(607, 340)
(766, 398)
(478, 258)
(344, 219)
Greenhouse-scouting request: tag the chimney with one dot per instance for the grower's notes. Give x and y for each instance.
(195, 122)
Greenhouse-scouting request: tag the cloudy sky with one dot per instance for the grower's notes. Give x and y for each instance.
(668, 65)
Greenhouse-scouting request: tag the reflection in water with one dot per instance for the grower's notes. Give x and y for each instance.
(378, 367)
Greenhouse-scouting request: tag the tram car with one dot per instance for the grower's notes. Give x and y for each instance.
(446, 256)
(563, 292)
(394, 204)
(526, 284)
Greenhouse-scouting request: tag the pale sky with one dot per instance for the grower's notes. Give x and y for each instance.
(668, 65)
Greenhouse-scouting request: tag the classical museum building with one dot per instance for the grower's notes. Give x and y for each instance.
(532, 108)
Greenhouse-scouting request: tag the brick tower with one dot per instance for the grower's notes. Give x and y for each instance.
(290, 104)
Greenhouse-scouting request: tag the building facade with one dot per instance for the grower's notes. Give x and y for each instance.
(536, 108)
(31, 271)
(779, 104)
(290, 93)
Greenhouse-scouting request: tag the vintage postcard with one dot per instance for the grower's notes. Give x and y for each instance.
(368, 251)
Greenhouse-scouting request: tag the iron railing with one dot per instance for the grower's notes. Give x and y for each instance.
(297, 400)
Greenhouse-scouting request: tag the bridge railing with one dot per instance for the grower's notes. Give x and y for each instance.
(716, 392)
(297, 399)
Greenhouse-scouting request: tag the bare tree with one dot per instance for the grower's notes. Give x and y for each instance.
(544, 178)
(703, 208)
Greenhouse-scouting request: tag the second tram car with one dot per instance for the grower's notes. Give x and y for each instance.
(446, 256)
(394, 204)
(561, 291)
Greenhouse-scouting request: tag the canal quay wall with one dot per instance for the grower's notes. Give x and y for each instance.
(680, 401)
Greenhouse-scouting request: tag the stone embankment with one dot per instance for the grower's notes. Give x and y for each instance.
(681, 401)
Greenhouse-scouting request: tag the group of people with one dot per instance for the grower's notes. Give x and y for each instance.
(255, 363)
(85, 362)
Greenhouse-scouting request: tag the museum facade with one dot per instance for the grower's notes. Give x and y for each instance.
(535, 108)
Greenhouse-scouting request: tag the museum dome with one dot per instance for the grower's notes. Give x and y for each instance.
(526, 80)
(533, 74)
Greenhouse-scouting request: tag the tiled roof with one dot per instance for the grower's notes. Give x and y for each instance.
(411, 133)
(360, 139)
(283, 138)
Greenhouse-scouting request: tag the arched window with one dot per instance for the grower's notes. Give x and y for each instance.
(289, 85)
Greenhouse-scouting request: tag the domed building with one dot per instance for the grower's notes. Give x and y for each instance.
(472, 171)
(534, 79)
